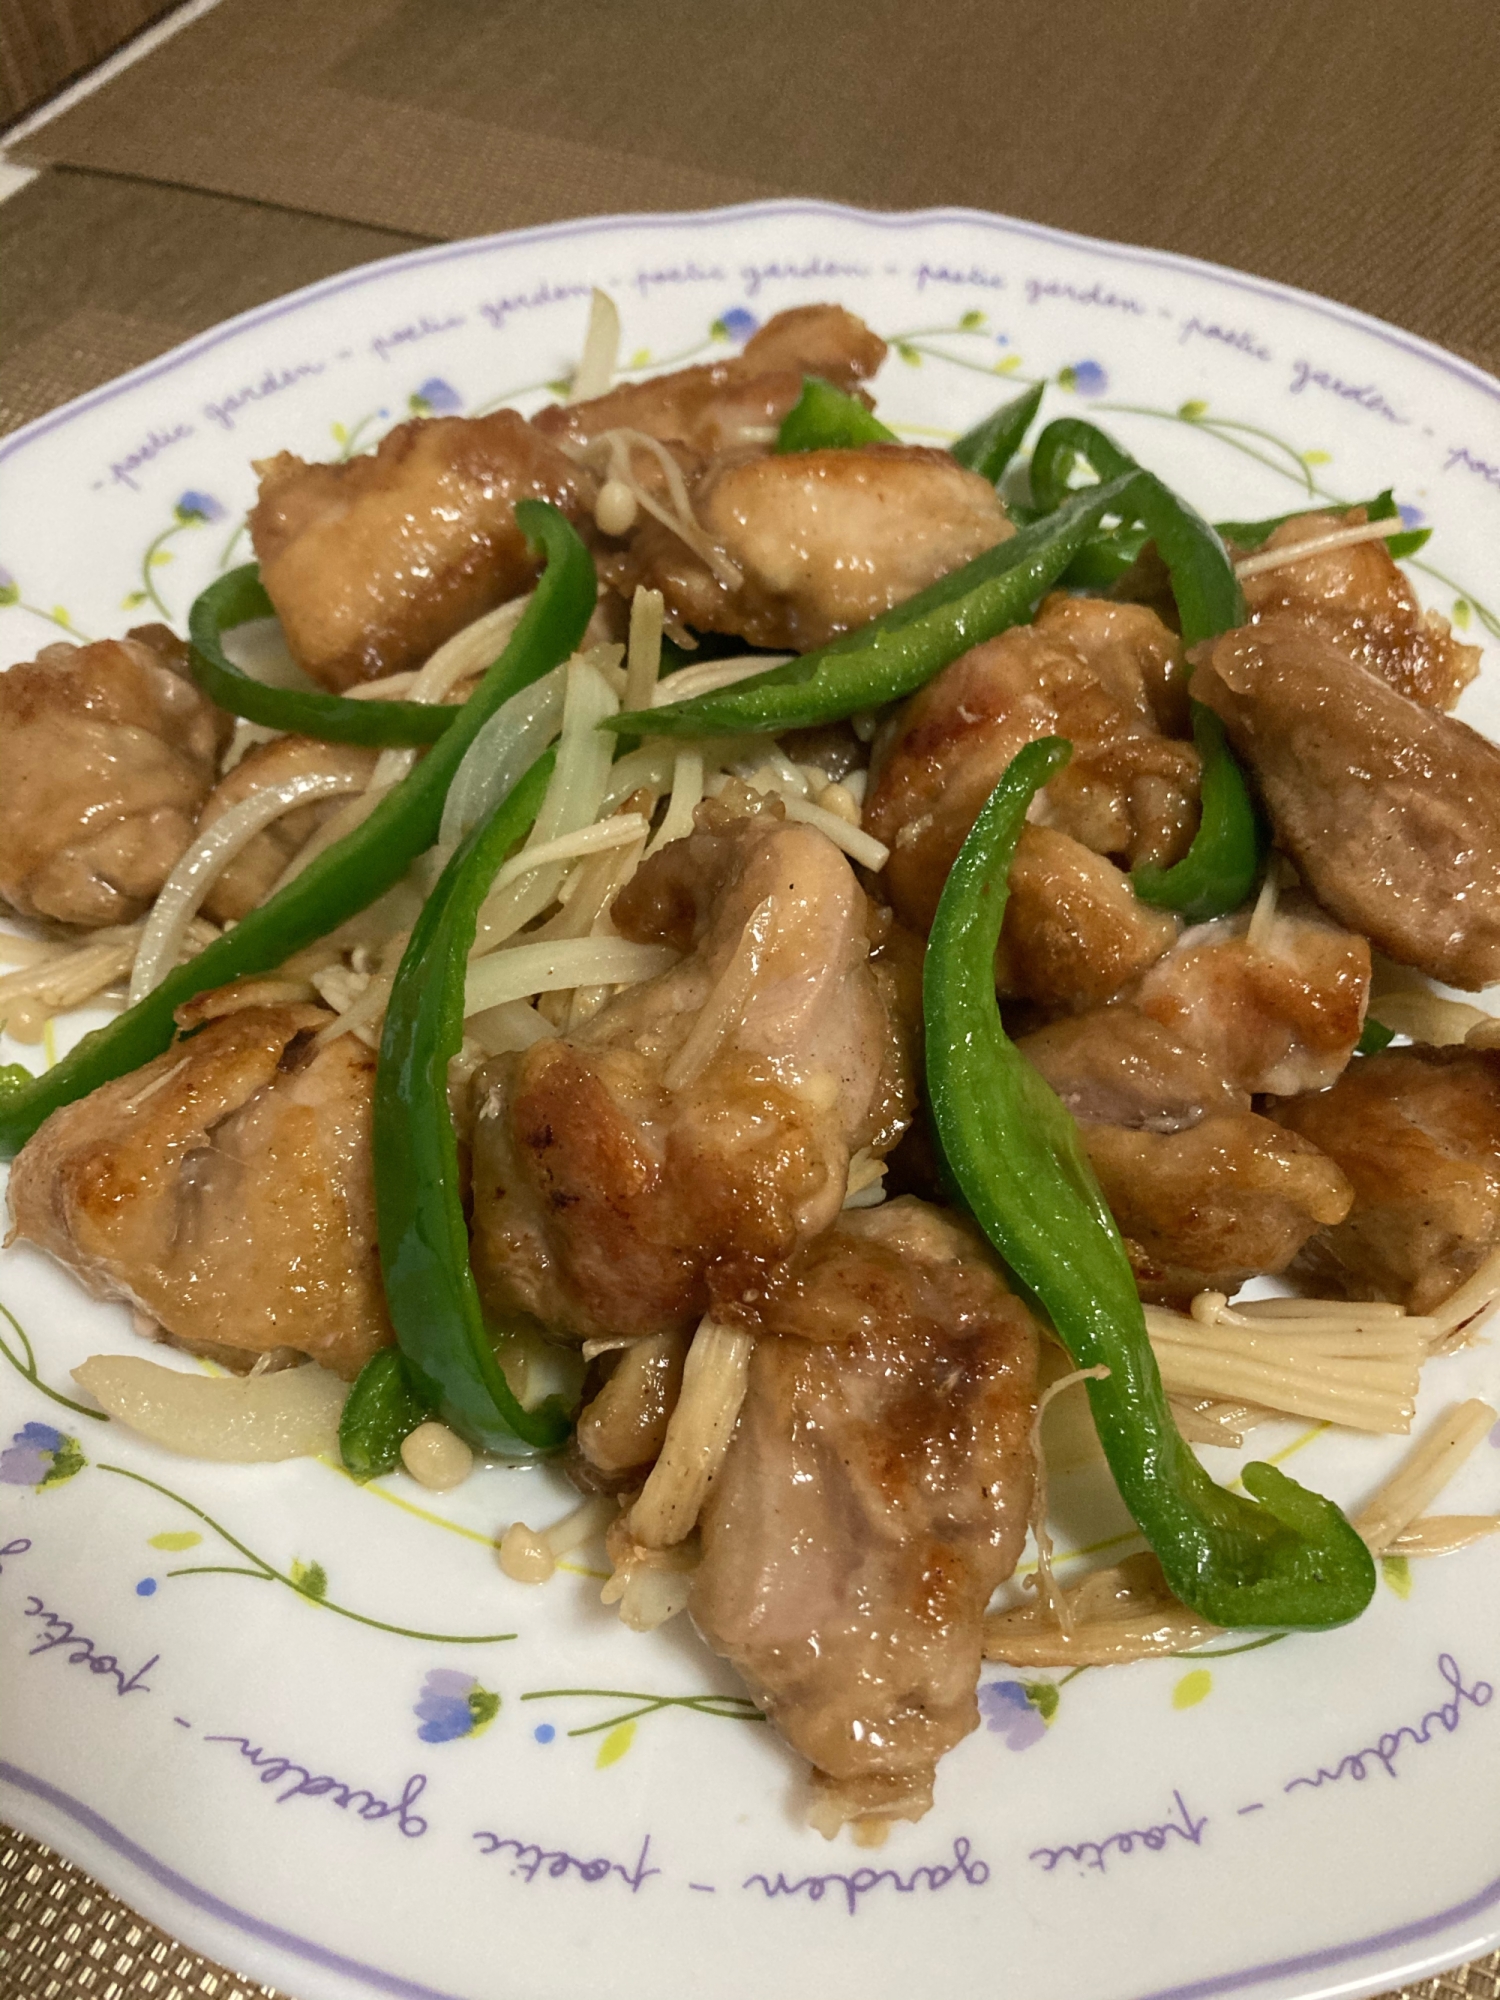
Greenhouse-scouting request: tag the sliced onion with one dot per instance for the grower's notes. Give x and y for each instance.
(501, 754)
(240, 1420)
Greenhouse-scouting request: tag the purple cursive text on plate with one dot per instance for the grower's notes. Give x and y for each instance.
(1096, 294)
(1447, 1716)
(756, 275)
(1462, 456)
(16, 1548)
(1093, 1854)
(58, 1631)
(272, 1769)
(385, 344)
(964, 1866)
(271, 383)
(941, 274)
(155, 442)
(495, 312)
(1364, 394)
(1237, 337)
(531, 1860)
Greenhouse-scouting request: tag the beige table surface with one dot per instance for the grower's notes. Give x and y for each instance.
(1347, 146)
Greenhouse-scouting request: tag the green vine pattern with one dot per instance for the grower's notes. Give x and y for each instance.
(727, 1707)
(59, 615)
(309, 1580)
(25, 1365)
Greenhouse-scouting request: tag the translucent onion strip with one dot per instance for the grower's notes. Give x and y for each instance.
(601, 350)
(508, 1028)
(501, 754)
(724, 1008)
(469, 651)
(292, 1413)
(555, 966)
(1342, 538)
(208, 857)
(1405, 1495)
(687, 796)
(714, 1379)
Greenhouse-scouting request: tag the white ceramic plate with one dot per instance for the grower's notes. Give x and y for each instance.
(339, 1798)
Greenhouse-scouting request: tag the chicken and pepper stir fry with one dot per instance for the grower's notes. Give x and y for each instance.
(597, 1009)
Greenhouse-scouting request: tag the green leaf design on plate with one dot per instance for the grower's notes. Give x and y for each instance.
(1043, 1697)
(484, 1707)
(66, 1461)
(1193, 1688)
(310, 1578)
(174, 1539)
(1192, 410)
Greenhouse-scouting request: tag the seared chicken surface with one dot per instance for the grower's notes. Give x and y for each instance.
(652, 1162)
(1417, 1132)
(107, 753)
(823, 540)
(1075, 932)
(225, 1189)
(729, 405)
(876, 1491)
(372, 564)
(1362, 603)
(1128, 792)
(1391, 811)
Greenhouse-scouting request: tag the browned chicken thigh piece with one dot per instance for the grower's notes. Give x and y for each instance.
(728, 405)
(823, 540)
(107, 752)
(1206, 1194)
(1390, 811)
(1214, 1204)
(1282, 1014)
(1128, 792)
(1075, 932)
(876, 1491)
(1417, 1131)
(654, 1161)
(226, 1188)
(372, 564)
(1358, 598)
(255, 870)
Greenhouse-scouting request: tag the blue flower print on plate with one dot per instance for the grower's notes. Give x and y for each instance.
(453, 1704)
(192, 506)
(435, 398)
(1085, 378)
(39, 1456)
(1018, 1710)
(737, 325)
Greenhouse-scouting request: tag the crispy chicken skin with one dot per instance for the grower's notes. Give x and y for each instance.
(1390, 811)
(876, 1491)
(107, 752)
(1359, 600)
(225, 1188)
(1116, 1066)
(825, 541)
(254, 871)
(372, 564)
(700, 1127)
(1128, 792)
(1417, 1131)
(730, 404)
(1281, 1015)
(1212, 1205)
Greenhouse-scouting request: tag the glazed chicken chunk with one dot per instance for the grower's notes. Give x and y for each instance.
(1128, 791)
(1359, 600)
(1390, 811)
(107, 753)
(1417, 1131)
(372, 564)
(728, 405)
(654, 1161)
(875, 1492)
(225, 1189)
(823, 541)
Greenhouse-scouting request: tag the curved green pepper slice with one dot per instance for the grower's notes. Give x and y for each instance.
(238, 598)
(380, 1413)
(825, 419)
(349, 875)
(424, 1239)
(1220, 869)
(989, 448)
(1284, 1558)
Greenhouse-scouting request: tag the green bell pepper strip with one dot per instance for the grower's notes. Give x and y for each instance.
(989, 448)
(382, 1410)
(894, 654)
(238, 598)
(825, 419)
(1015, 1155)
(347, 876)
(1373, 1037)
(424, 1239)
(1220, 869)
